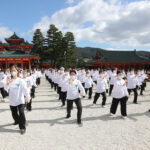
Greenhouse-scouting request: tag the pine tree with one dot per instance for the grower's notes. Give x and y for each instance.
(38, 43)
(54, 42)
(69, 49)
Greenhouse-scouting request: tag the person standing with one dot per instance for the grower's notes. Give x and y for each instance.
(101, 88)
(88, 84)
(17, 92)
(120, 95)
(73, 95)
(132, 83)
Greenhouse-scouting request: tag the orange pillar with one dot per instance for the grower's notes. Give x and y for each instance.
(29, 64)
(22, 64)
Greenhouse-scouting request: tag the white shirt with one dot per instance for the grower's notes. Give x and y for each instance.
(133, 81)
(17, 91)
(73, 90)
(88, 82)
(120, 90)
(101, 85)
(112, 78)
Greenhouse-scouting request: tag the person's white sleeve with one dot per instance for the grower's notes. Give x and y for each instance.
(81, 88)
(25, 89)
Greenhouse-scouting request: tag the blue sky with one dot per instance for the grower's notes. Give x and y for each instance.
(107, 24)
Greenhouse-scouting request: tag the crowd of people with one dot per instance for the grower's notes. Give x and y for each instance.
(71, 85)
(20, 86)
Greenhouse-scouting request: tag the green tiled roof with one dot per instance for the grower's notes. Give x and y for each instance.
(120, 56)
(17, 54)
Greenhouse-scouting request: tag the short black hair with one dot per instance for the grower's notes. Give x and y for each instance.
(118, 71)
(101, 71)
(73, 71)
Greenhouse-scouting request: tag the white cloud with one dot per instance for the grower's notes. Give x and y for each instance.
(43, 25)
(112, 21)
(70, 1)
(5, 32)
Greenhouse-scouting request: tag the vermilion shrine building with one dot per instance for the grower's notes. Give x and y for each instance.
(16, 52)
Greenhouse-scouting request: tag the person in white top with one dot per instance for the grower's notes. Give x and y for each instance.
(132, 83)
(120, 94)
(73, 95)
(63, 85)
(88, 84)
(143, 80)
(60, 76)
(101, 88)
(17, 92)
(28, 82)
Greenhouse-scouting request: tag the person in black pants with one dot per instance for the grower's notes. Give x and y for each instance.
(120, 95)
(73, 95)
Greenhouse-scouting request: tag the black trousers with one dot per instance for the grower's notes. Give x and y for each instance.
(29, 105)
(83, 84)
(144, 84)
(97, 96)
(79, 107)
(123, 103)
(63, 97)
(38, 81)
(110, 89)
(142, 89)
(55, 86)
(95, 82)
(18, 115)
(59, 92)
(90, 91)
(46, 77)
(3, 93)
(135, 94)
(33, 92)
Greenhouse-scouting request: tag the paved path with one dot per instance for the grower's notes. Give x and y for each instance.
(48, 129)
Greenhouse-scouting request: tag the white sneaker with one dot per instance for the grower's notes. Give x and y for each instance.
(111, 115)
(124, 117)
(103, 106)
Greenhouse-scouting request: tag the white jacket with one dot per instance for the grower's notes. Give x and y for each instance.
(17, 91)
(73, 90)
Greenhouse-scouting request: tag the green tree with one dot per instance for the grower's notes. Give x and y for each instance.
(38, 44)
(69, 49)
(54, 43)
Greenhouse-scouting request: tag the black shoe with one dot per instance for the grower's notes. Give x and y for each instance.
(149, 110)
(79, 122)
(22, 131)
(15, 123)
(135, 103)
(68, 116)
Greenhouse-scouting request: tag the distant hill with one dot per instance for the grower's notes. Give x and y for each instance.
(89, 52)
